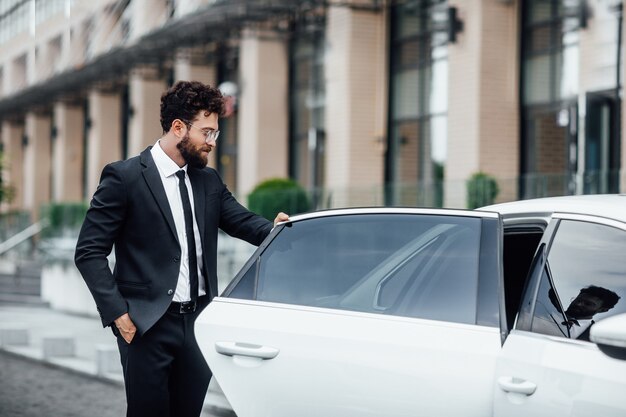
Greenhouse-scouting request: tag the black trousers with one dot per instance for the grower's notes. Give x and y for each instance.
(165, 374)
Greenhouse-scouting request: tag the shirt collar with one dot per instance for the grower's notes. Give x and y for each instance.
(167, 167)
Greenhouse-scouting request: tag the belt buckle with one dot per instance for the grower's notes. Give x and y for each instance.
(187, 307)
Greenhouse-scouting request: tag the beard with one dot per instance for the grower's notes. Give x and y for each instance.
(193, 156)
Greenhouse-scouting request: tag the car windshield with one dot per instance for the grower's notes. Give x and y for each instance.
(401, 264)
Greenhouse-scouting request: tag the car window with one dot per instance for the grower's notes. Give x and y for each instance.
(406, 265)
(584, 279)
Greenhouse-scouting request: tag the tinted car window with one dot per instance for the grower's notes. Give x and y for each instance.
(407, 265)
(584, 281)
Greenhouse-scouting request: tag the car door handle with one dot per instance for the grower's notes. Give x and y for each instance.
(246, 349)
(517, 385)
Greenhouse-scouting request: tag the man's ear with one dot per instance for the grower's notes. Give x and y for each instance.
(178, 128)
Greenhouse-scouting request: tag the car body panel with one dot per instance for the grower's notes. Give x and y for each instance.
(280, 359)
(572, 378)
(347, 364)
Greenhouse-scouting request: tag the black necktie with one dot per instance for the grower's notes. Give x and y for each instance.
(191, 241)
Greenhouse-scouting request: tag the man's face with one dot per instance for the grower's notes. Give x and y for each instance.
(584, 306)
(194, 147)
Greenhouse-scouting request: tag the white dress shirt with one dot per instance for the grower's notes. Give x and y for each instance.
(168, 168)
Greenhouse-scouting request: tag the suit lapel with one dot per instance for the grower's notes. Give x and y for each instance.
(153, 179)
(199, 203)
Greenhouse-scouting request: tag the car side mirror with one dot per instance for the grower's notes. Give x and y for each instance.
(610, 336)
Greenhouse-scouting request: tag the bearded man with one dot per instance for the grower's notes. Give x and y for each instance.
(161, 211)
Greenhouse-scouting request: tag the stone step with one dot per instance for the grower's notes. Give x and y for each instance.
(22, 299)
(19, 287)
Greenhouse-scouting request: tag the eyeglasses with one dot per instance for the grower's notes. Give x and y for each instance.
(209, 134)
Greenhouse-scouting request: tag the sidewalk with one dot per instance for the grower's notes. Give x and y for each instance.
(77, 343)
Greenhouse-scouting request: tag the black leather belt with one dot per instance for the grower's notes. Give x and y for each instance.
(185, 307)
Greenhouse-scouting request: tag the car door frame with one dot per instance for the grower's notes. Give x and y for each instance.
(489, 301)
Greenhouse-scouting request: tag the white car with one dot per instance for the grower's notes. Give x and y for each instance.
(429, 312)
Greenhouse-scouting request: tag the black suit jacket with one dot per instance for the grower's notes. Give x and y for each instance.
(130, 210)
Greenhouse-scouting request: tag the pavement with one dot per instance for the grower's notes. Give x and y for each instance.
(77, 344)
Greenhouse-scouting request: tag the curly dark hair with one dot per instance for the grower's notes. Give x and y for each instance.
(185, 99)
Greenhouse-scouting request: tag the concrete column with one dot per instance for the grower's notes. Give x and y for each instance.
(13, 174)
(37, 163)
(104, 144)
(263, 110)
(145, 101)
(483, 109)
(355, 73)
(67, 153)
(147, 15)
(186, 70)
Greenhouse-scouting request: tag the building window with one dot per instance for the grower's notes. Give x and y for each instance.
(307, 101)
(418, 103)
(228, 79)
(550, 65)
(14, 18)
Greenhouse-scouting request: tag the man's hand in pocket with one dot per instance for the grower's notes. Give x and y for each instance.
(126, 327)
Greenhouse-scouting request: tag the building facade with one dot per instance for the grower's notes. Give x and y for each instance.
(363, 102)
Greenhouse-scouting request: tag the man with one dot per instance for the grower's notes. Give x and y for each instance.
(589, 302)
(161, 210)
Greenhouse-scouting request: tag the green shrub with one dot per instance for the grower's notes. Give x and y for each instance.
(7, 191)
(278, 194)
(63, 217)
(482, 190)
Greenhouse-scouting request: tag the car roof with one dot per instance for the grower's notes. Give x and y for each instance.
(611, 206)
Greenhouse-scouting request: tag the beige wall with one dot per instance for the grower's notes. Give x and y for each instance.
(14, 162)
(263, 110)
(145, 100)
(355, 72)
(104, 138)
(37, 163)
(67, 153)
(483, 115)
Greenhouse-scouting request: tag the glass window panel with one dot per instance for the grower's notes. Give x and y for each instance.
(302, 73)
(540, 10)
(301, 115)
(537, 81)
(588, 269)
(550, 145)
(307, 99)
(540, 39)
(566, 68)
(407, 20)
(439, 139)
(405, 94)
(406, 144)
(406, 55)
(548, 317)
(438, 99)
(405, 265)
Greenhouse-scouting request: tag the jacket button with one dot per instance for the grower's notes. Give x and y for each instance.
(170, 292)
(176, 259)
